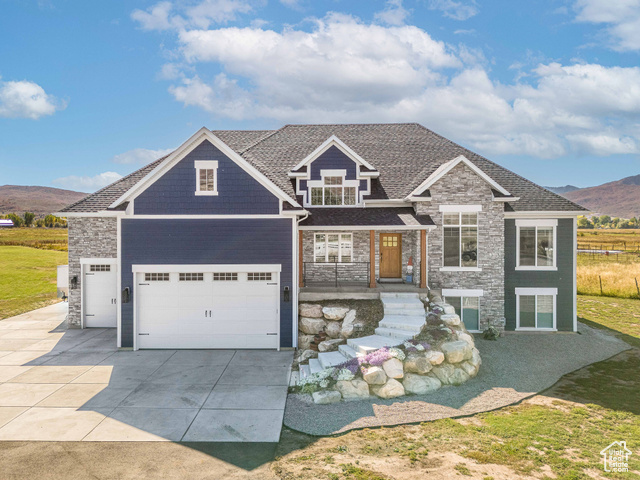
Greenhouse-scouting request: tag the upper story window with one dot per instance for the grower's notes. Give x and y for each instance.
(333, 189)
(206, 177)
(536, 240)
(460, 239)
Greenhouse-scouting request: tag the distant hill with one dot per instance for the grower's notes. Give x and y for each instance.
(617, 199)
(563, 190)
(39, 200)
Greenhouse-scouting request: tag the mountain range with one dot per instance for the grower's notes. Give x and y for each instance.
(39, 200)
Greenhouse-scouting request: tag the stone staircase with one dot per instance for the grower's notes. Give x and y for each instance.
(404, 316)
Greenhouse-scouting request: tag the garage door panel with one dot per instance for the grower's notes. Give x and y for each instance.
(100, 292)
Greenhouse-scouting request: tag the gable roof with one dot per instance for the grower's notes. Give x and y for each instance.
(405, 154)
(333, 141)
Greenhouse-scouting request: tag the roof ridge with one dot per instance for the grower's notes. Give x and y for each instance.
(347, 124)
(261, 139)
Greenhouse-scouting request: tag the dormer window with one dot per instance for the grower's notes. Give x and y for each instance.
(206, 177)
(333, 190)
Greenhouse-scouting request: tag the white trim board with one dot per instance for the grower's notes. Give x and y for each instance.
(390, 228)
(460, 208)
(169, 268)
(334, 141)
(462, 292)
(543, 214)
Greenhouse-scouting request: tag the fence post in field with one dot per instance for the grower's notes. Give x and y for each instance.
(600, 278)
(637, 288)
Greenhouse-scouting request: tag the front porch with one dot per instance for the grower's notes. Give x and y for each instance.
(356, 292)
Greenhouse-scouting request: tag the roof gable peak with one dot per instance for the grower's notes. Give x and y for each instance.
(332, 141)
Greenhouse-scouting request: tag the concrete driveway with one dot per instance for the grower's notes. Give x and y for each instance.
(74, 385)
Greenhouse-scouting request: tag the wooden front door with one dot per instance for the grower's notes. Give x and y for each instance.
(390, 255)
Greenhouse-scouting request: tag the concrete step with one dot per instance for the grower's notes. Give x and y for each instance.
(331, 359)
(304, 371)
(385, 295)
(314, 366)
(348, 352)
(404, 311)
(411, 323)
(371, 343)
(402, 302)
(401, 335)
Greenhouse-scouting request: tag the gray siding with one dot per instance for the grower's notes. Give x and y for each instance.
(232, 241)
(562, 279)
(238, 192)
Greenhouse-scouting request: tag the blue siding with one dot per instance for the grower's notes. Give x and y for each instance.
(562, 279)
(174, 192)
(228, 241)
(333, 159)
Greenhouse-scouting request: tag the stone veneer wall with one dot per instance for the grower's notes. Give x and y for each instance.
(89, 237)
(326, 273)
(462, 186)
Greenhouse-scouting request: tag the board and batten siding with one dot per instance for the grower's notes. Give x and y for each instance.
(562, 279)
(210, 242)
(238, 192)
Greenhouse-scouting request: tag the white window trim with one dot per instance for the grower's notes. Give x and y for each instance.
(535, 292)
(460, 208)
(466, 209)
(206, 165)
(320, 184)
(462, 293)
(546, 222)
(326, 250)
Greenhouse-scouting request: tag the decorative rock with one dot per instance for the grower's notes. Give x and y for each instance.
(325, 397)
(310, 310)
(353, 389)
(443, 372)
(417, 363)
(311, 326)
(304, 341)
(333, 329)
(348, 325)
(391, 389)
(475, 359)
(334, 313)
(448, 309)
(330, 345)
(393, 368)
(305, 355)
(470, 369)
(458, 377)
(466, 338)
(374, 376)
(420, 385)
(451, 320)
(456, 352)
(435, 357)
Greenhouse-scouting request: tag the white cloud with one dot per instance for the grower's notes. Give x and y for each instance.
(140, 156)
(462, 10)
(87, 184)
(155, 18)
(621, 17)
(393, 14)
(24, 99)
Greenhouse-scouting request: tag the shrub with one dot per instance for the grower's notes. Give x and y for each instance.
(491, 333)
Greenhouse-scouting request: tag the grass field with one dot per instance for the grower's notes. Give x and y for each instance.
(41, 238)
(27, 278)
(626, 239)
(618, 274)
(557, 434)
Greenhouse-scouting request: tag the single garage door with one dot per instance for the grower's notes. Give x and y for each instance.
(100, 291)
(207, 309)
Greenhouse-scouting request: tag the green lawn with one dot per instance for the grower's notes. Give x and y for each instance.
(27, 278)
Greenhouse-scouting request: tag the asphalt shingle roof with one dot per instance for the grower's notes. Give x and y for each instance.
(395, 216)
(405, 154)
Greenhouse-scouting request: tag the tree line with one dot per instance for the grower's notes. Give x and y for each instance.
(29, 220)
(605, 221)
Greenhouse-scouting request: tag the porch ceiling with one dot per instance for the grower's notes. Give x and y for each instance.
(403, 217)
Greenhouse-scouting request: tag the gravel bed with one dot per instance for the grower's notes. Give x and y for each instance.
(513, 368)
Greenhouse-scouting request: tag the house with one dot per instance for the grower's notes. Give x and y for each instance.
(214, 245)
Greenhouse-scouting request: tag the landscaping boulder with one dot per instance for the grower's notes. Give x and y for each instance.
(448, 309)
(326, 396)
(305, 355)
(457, 351)
(374, 376)
(304, 341)
(310, 310)
(353, 389)
(435, 357)
(348, 326)
(466, 338)
(451, 320)
(417, 363)
(393, 368)
(419, 384)
(458, 377)
(311, 326)
(471, 370)
(391, 389)
(333, 329)
(334, 313)
(475, 359)
(443, 372)
(330, 345)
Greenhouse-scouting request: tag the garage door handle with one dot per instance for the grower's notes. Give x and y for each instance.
(271, 333)
(89, 315)
(143, 334)
(143, 284)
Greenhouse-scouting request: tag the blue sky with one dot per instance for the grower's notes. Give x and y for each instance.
(90, 91)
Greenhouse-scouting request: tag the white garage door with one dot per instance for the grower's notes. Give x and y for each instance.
(199, 309)
(100, 291)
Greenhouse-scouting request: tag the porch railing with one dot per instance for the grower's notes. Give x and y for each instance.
(336, 274)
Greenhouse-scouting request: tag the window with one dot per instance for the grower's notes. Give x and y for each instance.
(156, 277)
(206, 177)
(536, 308)
(460, 239)
(192, 277)
(100, 268)
(225, 277)
(333, 247)
(536, 241)
(467, 306)
(333, 190)
(259, 277)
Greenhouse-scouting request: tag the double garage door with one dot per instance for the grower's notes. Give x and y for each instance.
(196, 308)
